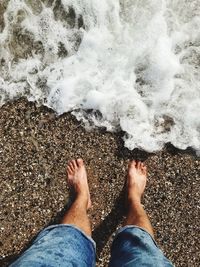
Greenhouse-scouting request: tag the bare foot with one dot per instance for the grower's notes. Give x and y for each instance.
(77, 178)
(136, 180)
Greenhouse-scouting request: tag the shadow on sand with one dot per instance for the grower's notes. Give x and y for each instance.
(101, 234)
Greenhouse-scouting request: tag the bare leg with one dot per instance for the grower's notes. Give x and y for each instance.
(136, 182)
(77, 214)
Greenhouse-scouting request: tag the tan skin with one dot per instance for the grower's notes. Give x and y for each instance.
(136, 183)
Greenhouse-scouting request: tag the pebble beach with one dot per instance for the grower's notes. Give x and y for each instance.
(35, 146)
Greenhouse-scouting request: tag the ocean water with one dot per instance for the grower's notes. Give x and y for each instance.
(130, 65)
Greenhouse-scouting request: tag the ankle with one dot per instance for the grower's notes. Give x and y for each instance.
(134, 199)
(82, 200)
(134, 209)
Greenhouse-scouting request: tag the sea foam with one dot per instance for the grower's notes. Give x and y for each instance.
(124, 65)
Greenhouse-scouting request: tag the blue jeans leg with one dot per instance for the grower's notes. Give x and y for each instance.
(134, 247)
(59, 245)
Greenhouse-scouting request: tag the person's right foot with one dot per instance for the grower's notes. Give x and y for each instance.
(77, 178)
(136, 180)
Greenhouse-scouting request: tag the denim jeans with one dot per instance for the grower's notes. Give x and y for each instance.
(66, 245)
(135, 247)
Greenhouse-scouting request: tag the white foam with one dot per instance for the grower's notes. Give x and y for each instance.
(137, 63)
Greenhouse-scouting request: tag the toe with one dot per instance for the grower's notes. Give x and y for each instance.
(132, 163)
(139, 164)
(74, 164)
(142, 166)
(71, 165)
(69, 170)
(79, 162)
(144, 169)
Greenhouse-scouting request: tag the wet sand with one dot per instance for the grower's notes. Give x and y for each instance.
(35, 145)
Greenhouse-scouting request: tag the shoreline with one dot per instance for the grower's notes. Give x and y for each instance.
(35, 145)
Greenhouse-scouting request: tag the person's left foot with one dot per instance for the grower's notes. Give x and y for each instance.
(77, 178)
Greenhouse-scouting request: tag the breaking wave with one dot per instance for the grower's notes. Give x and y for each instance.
(128, 65)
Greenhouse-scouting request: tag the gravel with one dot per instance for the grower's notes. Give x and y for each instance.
(35, 146)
